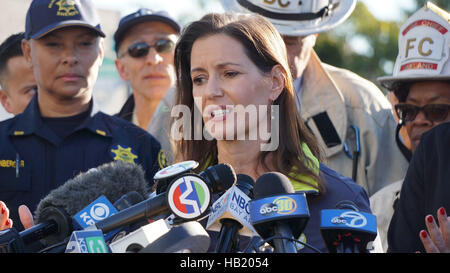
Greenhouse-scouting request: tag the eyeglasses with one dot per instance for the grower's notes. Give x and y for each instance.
(432, 112)
(139, 50)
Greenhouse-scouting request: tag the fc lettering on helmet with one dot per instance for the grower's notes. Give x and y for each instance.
(410, 44)
(281, 3)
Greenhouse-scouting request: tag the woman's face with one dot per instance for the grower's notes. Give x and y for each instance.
(231, 92)
(66, 61)
(421, 94)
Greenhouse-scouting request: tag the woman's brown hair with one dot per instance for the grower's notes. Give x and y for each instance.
(265, 48)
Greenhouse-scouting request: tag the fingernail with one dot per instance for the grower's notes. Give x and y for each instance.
(3, 210)
(430, 219)
(8, 222)
(423, 234)
(442, 211)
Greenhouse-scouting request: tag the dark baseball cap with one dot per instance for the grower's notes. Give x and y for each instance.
(140, 16)
(45, 16)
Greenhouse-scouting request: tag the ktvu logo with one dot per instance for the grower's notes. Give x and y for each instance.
(97, 212)
(351, 219)
(188, 197)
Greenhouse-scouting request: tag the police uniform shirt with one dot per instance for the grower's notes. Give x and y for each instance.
(34, 160)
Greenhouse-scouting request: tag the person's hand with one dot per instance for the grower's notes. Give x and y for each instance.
(26, 218)
(5, 222)
(437, 240)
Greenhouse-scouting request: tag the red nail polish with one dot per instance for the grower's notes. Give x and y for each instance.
(3, 210)
(8, 222)
(423, 234)
(430, 219)
(442, 211)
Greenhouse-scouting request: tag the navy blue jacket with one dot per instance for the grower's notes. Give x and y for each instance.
(45, 161)
(426, 188)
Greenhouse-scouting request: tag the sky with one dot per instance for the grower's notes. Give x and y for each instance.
(382, 9)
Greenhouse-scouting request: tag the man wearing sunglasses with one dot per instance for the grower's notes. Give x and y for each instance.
(421, 83)
(144, 43)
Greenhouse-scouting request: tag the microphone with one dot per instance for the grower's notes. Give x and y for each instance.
(189, 237)
(54, 212)
(277, 213)
(230, 215)
(188, 197)
(87, 241)
(138, 239)
(346, 229)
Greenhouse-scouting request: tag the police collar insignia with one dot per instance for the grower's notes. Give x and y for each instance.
(124, 154)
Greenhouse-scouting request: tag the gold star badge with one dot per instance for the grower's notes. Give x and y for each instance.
(123, 154)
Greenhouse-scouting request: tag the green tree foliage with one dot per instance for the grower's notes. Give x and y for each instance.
(362, 44)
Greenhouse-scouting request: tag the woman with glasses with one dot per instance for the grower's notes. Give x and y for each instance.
(421, 83)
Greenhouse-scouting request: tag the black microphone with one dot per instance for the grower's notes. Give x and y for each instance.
(231, 213)
(277, 213)
(54, 212)
(188, 197)
(346, 229)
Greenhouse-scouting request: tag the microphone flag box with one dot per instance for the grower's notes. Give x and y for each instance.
(87, 241)
(98, 210)
(348, 220)
(140, 238)
(278, 207)
(291, 209)
(234, 204)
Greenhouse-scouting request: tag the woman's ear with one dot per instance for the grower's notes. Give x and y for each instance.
(278, 81)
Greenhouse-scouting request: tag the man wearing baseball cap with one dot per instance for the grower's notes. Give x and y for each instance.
(349, 115)
(62, 133)
(144, 43)
(421, 83)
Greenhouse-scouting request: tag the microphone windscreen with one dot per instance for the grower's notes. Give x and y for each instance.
(246, 184)
(347, 204)
(113, 180)
(128, 200)
(221, 176)
(272, 183)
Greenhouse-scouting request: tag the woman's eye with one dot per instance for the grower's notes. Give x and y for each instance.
(231, 74)
(198, 80)
(52, 44)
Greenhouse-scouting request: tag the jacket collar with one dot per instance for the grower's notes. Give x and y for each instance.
(321, 94)
(30, 122)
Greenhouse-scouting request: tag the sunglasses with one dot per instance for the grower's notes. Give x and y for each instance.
(139, 50)
(432, 112)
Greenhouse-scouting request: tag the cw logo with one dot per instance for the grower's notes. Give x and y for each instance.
(188, 197)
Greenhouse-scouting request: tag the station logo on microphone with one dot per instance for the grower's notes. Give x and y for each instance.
(188, 197)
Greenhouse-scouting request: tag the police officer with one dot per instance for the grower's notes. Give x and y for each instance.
(62, 133)
(421, 84)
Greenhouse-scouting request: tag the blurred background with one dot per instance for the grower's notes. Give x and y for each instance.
(366, 43)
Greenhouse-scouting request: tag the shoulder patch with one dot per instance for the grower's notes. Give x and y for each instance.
(162, 159)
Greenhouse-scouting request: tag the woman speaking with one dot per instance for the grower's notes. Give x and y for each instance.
(233, 69)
